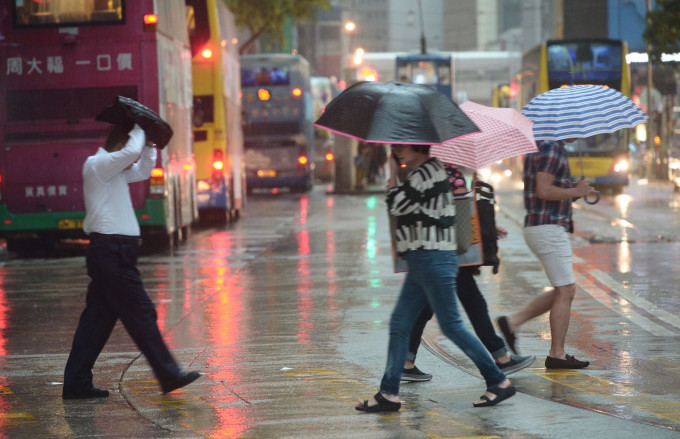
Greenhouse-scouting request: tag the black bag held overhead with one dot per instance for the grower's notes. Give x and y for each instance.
(127, 112)
(487, 223)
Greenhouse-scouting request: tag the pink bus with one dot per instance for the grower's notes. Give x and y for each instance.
(64, 61)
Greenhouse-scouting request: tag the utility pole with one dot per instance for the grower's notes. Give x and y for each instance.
(423, 42)
(651, 147)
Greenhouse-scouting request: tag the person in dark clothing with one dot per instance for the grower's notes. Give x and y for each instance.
(116, 290)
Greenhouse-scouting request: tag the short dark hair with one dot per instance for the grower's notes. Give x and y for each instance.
(117, 134)
(423, 149)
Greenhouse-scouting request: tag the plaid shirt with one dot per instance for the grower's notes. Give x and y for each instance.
(551, 158)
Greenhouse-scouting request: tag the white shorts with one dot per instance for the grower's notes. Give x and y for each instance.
(550, 243)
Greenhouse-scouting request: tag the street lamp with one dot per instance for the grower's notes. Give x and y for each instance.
(350, 26)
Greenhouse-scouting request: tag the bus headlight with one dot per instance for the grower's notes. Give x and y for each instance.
(621, 166)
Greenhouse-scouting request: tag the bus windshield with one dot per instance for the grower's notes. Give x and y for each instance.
(584, 62)
(264, 76)
(54, 13)
(600, 143)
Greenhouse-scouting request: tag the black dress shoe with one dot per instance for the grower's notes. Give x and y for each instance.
(92, 392)
(180, 380)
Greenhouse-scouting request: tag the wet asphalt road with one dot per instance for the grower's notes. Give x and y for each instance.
(286, 312)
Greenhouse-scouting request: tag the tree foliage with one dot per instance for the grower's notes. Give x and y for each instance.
(663, 29)
(267, 16)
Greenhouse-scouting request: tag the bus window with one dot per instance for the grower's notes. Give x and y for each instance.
(198, 25)
(265, 76)
(403, 73)
(424, 73)
(50, 13)
(203, 110)
(444, 75)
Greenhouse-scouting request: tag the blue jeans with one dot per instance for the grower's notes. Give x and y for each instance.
(475, 307)
(431, 279)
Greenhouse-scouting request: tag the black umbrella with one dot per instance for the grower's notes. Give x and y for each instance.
(127, 112)
(395, 112)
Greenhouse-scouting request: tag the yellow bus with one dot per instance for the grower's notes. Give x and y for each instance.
(603, 159)
(218, 134)
(500, 96)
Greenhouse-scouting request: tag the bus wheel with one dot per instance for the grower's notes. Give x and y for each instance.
(186, 232)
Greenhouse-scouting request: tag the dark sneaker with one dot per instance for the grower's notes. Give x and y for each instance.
(415, 374)
(92, 392)
(569, 363)
(516, 363)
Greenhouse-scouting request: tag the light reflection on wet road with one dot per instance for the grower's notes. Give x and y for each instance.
(287, 311)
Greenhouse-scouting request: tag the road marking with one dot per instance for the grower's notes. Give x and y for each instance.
(609, 293)
(648, 306)
(619, 394)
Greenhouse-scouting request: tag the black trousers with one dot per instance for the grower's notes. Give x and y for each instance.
(475, 307)
(116, 292)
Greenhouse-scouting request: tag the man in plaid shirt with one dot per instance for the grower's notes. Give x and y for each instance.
(548, 193)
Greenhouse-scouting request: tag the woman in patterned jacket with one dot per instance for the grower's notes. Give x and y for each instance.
(425, 237)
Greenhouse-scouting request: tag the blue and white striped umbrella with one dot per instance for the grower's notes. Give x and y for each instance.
(581, 111)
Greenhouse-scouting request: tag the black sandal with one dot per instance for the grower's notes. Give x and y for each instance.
(383, 405)
(502, 393)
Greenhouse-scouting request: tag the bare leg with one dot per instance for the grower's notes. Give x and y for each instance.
(539, 305)
(560, 313)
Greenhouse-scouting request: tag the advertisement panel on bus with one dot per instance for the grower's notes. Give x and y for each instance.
(278, 121)
(62, 64)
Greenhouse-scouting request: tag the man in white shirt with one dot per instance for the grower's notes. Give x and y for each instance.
(116, 290)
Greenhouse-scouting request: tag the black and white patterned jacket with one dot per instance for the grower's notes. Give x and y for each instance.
(424, 208)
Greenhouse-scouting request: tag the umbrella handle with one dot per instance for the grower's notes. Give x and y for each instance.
(593, 201)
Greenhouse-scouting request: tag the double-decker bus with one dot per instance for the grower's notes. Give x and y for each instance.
(433, 69)
(63, 63)
(218, 136)
(603, 158)
(277, 121)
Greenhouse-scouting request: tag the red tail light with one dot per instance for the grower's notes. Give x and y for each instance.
(218, 164)
(150, 22)
(157, 181)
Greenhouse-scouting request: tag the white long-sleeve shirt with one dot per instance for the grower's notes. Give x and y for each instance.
(108, 203)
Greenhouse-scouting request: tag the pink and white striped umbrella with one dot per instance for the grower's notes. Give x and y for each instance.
(505, 133)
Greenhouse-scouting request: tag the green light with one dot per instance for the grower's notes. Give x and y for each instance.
(372, 202)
